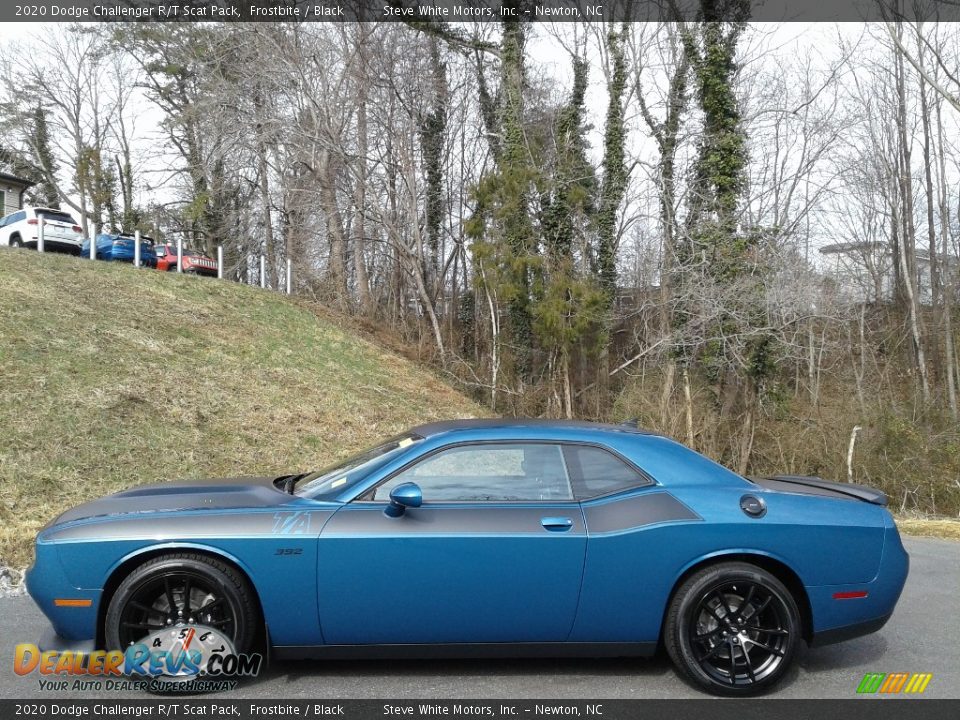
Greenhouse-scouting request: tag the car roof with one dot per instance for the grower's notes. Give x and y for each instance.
(444, 426)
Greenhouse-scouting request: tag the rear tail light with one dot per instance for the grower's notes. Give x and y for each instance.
(77, 228)
(32, 221)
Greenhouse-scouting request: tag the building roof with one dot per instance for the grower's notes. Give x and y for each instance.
(850, 247)
(443, 426)
(15, 180)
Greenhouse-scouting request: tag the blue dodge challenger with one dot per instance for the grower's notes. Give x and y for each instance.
(491, 538)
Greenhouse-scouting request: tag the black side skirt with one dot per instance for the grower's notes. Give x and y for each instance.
(463, 650)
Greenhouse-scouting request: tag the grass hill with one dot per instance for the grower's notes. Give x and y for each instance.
(113, 376)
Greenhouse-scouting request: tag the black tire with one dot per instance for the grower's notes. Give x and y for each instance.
(237, 612)
(732, 629)
(16, 242)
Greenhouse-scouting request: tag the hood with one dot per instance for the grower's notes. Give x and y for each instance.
(241, 492)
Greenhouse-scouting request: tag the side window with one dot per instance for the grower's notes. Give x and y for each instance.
(17, 217)
(596, 472)
(488, 472)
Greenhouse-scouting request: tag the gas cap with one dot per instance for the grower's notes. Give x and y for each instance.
(753, 506)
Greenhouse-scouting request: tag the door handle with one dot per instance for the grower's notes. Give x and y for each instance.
(556, 524)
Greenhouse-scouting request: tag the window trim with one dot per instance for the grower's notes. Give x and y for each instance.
(361, 498)
(643, 476)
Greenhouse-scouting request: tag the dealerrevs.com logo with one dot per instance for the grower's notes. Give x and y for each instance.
(894, 683)
(183, 658)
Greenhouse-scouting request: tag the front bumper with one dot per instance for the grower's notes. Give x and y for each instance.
(200, 270)
(46, 583)
(49, 640)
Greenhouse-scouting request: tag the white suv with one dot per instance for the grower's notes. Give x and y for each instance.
(60, 230)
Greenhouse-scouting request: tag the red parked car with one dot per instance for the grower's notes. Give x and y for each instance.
(193, 261)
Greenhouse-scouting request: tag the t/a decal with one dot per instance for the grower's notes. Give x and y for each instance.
(291, 523)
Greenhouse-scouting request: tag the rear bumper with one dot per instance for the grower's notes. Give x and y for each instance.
(847, 632)
(54, 244)
(839, 616)
(128, 258)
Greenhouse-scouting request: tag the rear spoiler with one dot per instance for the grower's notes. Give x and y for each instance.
(818, 486)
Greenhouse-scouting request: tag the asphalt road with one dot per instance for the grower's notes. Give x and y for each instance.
(922, 636)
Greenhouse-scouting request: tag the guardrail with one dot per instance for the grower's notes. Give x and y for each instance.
(137, 262)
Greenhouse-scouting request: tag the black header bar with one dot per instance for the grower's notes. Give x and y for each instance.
(462, 11)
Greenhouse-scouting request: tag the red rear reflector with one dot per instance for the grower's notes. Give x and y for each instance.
(852, 595)
(72, 602)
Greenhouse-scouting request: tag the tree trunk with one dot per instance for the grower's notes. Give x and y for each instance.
(567, 395)
(263, 169)
(907, 257)
(336, 270)
(931, 231)
(950, 289)
(360, 208)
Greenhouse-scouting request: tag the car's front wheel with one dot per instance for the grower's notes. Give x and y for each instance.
(732, 629)
(181, 589)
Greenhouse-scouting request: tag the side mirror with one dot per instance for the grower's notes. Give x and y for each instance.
(403, 496)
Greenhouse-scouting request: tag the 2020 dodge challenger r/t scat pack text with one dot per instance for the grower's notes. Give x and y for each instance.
(487, 537)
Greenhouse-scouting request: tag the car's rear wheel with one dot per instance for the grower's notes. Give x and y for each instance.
(181, 589)
(16, 242)
(732, 629)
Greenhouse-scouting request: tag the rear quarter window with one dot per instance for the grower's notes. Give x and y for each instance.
(595, 471)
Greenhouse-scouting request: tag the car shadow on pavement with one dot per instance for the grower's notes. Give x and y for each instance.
(478, 668)
(851, 654)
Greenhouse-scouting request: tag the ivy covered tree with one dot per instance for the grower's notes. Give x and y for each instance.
(721, 259)
(433, 133)
(37, 163)
(501, 226)
(614, 167)
(570, 310)
(718, 173)
(45, 191)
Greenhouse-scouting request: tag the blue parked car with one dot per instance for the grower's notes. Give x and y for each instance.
(483, 537)
(120, 247)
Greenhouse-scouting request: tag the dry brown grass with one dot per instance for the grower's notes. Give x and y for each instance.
(111, 377)
(929, 527)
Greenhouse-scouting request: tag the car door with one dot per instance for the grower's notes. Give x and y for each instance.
(494, 554)
(636, 531)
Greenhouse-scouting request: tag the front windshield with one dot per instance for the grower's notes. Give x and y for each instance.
(328, 483)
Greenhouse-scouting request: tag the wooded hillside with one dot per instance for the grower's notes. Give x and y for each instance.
(747, 236)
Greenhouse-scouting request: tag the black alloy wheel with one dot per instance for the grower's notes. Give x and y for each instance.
(733, 629)
(181, 589)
